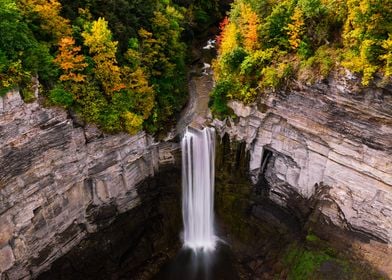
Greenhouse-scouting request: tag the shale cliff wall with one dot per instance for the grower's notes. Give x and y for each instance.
(325, 148)
(60, 181)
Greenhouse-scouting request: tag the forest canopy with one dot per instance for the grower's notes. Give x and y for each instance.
(264, 44)
(117, 63)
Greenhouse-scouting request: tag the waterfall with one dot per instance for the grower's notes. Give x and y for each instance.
(198, 174)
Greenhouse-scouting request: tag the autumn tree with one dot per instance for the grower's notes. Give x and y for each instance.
(387, 56)
(143, 95)
(366, 28)
(295, 28)
(248, 23)
(49, 17)
(70, 61)
(222, 26)
(98, 38)
(228, 38)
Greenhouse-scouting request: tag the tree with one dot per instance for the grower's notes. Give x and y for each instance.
(222, 26)
(273, 31)
(248, 24)
(15, 37)
(143, 95)
(70, 61)
(98, 38)
(228, 38)
(387, 56)
(295, 28)
(366, 28)
(163, 60)
(50, 20)
(21, 55)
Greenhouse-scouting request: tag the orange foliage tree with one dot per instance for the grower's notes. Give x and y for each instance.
(295, 28)
(248, 25)
(70, 61)
(222, 26)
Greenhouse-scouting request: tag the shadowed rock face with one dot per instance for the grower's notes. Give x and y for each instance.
(136, 243)
(60, 182)
(325, 148)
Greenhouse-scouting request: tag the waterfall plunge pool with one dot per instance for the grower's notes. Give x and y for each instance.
(202, 256)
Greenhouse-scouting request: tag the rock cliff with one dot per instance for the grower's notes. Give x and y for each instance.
(60, 181)
(325, 153)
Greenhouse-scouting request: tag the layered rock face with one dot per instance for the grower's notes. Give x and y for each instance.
(60, 182)
(329, 146)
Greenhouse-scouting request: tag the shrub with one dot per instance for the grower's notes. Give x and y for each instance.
(132, 123)
(89, 100)
(233, 59)
(256, 60)
(109, 120)
(61, 97)
(219, 98)
(304, 49)
(320, 65)
(27, 95)
(270, 77)
(311, 8)
(303, 263)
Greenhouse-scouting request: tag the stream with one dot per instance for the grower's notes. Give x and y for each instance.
(203, 256)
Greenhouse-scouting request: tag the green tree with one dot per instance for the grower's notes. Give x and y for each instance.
(21, 55)
(163, 59)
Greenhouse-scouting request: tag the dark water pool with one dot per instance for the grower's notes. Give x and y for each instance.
(191, 265)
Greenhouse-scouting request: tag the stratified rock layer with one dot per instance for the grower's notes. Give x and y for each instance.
(59, 182)
(330, 143)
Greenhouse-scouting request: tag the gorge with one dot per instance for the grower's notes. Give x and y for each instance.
(295, 184)
(292, 157)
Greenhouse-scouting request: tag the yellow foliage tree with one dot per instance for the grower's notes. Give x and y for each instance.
(228, 38)
(387, 57)
(248, 25)
(132, 123)
(103, 50)
(295, 28)
(70, 61)
(366, 26)
(144, 95)
(49, 13)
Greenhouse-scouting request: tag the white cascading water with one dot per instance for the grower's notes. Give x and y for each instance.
(198, 174)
